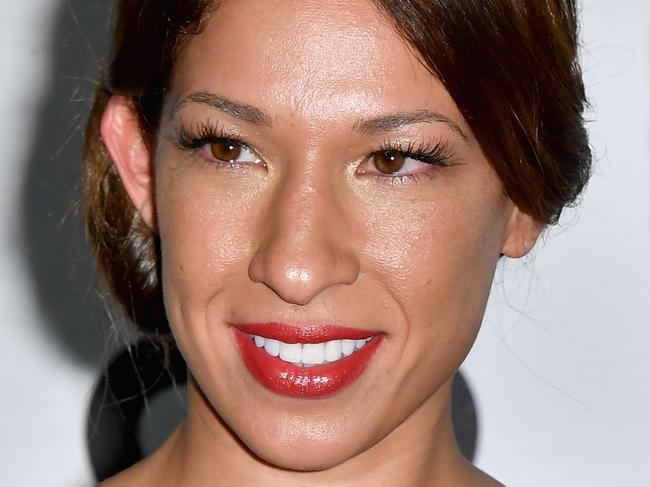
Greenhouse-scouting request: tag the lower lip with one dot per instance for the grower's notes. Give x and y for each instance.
(309, 382)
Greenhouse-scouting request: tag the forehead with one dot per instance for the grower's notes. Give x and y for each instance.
(316, 58)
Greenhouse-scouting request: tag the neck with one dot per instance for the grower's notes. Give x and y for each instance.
(421, 451)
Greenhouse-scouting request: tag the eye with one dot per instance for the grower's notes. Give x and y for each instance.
(231, 151)
(389, 162)
(408, 162)
(216, 145)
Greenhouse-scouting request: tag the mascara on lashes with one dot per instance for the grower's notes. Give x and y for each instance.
(432, 153)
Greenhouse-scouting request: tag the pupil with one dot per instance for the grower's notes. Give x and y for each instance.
(389, 162)
(226, 150)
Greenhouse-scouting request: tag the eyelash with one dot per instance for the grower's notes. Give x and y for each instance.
(206, 133)
(436, 154)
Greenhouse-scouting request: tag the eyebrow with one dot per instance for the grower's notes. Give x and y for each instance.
(242, 111)
(383, 123)
(388, 123)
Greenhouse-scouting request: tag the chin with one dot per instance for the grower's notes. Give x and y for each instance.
(305, 455)
(316, 435)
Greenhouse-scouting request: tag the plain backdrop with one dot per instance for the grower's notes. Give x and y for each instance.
(561, 369)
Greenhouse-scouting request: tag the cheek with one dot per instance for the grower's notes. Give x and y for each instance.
(205, 240)
(437, 258)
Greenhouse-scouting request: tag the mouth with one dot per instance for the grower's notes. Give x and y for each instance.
(310, 362)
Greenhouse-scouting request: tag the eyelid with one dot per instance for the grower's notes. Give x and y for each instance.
(432, 155)
(201, 134)
(417, 149)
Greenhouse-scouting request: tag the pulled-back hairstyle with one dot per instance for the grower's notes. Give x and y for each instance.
(511, 67)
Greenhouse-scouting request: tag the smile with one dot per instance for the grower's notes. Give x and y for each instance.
(309, 354)
(308, 362)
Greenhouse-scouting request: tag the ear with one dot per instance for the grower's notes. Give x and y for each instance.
(123, 138)
(522, 232)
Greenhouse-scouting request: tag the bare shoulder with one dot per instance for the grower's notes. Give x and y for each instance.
(490, 482)
(471, 475)
(481, 479)
(156, 470)
(145, 473)
(135, 475)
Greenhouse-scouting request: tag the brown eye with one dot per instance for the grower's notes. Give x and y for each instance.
(389, 162)
(225, 150)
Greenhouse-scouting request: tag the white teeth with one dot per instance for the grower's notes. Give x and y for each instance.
(333, 350)
(310, 353)
(272, 347)
(313, 353)
(347, 347)
(291, 352)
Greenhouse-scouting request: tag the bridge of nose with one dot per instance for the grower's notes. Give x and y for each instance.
(305, 242)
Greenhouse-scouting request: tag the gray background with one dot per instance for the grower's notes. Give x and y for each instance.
(561, 370)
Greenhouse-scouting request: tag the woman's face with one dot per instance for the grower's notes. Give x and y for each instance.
(349, 199)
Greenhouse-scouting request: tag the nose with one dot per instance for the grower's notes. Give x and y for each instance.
(306, 242)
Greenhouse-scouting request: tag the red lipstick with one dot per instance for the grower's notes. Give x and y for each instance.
(315, 381)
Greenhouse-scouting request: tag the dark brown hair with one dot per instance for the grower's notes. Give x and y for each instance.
(511, 67)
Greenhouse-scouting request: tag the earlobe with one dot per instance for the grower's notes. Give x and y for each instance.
(123, 138)
(522, 232)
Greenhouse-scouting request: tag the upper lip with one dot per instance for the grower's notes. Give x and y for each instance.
(313, 333)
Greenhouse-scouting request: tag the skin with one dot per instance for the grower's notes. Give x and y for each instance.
(315, 233)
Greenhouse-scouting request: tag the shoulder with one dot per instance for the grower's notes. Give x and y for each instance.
(143, 474)
(474, 476)
(484, 480)
(156, 470)
(130, 477)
